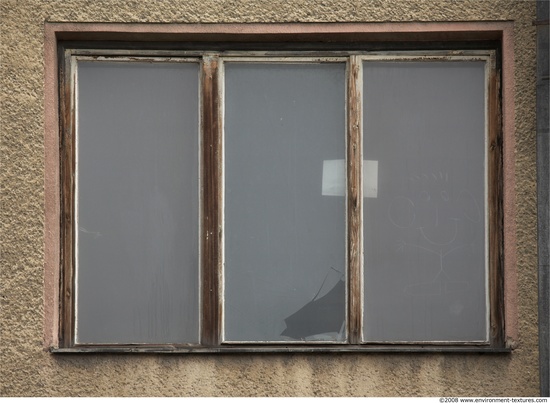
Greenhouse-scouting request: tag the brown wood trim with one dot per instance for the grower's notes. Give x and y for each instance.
(254, 349)
(496, 215)
(67, 197)
(354, 200)
(212, 214)
(211, 202)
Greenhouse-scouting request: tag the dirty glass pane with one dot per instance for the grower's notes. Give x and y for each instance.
(137, 264)
(425, 232)
(284, 213)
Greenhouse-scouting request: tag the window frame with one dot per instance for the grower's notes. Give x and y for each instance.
(211, 200)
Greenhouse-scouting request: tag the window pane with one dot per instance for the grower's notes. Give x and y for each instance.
(137, 274)
(425, 235)
(284, 233)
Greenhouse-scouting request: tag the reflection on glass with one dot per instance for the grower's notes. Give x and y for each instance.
(425, 265)
(137, 267)
(284, 240)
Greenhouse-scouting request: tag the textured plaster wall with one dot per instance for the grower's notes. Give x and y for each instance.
(26, 369)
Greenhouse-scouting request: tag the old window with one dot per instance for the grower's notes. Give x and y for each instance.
(245, 201)
(136, 210)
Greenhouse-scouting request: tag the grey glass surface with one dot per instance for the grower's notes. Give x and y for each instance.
(284, 240)
(137, 268)
(424, 244)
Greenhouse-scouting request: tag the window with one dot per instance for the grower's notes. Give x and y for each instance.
(266, 200)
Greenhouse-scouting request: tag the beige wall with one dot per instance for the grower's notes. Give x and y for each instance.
(26, 369)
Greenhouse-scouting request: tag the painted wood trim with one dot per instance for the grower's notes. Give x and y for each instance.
(496, 214)
(211, 202)
(254, 349)
(67, 198)
(354, 162)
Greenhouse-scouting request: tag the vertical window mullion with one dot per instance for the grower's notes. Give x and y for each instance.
(354, 199)
(495, 197)
(211, 201)
(68, 176)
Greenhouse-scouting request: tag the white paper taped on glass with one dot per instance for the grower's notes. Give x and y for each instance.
(334, 178)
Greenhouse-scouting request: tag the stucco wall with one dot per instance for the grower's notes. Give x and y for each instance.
(26, 369)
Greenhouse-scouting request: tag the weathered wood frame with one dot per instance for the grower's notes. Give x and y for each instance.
(211, 206)
(493, 181)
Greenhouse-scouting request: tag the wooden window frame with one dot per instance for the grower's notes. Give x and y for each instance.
(211, 218)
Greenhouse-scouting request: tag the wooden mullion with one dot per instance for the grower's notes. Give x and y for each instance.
(496, 215)
(68, 182)
(211, 202)
(354, 200)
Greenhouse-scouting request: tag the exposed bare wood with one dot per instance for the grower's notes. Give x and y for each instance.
(211, 198)
(225, 349)
(211, 220)
(67, 171)
(496, 216)
(354, 201)
(437, 55)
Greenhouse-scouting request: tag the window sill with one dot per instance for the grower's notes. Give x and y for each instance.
(401, 348)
